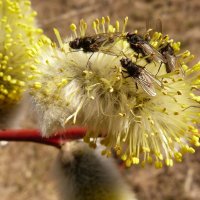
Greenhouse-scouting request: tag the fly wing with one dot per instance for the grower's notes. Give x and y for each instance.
(152, 52)
(102, 39)
(99, 41)
(153, 78)
(171, 62)
(146, 83)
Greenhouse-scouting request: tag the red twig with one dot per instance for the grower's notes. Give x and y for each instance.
(35, 136)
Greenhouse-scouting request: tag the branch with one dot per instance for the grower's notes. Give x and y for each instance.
(35, 136)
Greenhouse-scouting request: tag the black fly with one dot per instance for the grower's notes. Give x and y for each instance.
(92, 43)
(141, 46)
(141, 76)
(171, 61)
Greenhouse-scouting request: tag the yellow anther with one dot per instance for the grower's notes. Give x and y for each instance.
(191, 150)
(128, 162)
(97, 25)
(125, 24)
(135, 160)
(124, 157)
(73, 28)
(146, 149)
(149, 159)
(169, 162)
(117, 26)
(94, 26)
(108, 23)
(103, 20)
(37, 85)
(158, 164)
(107, 19)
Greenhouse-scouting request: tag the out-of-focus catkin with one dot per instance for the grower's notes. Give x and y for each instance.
(83, 174)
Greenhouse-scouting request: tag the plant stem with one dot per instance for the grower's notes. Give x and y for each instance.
(30, 135)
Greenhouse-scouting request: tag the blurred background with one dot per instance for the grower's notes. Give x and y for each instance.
(25, 169)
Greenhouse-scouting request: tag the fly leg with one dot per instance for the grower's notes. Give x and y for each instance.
(159, 68)
(87, 65)
(136, 85)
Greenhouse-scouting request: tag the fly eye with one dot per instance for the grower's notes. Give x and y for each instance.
(71, 44)
(136, 37)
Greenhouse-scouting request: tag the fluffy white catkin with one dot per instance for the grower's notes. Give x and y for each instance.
(146, 117)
